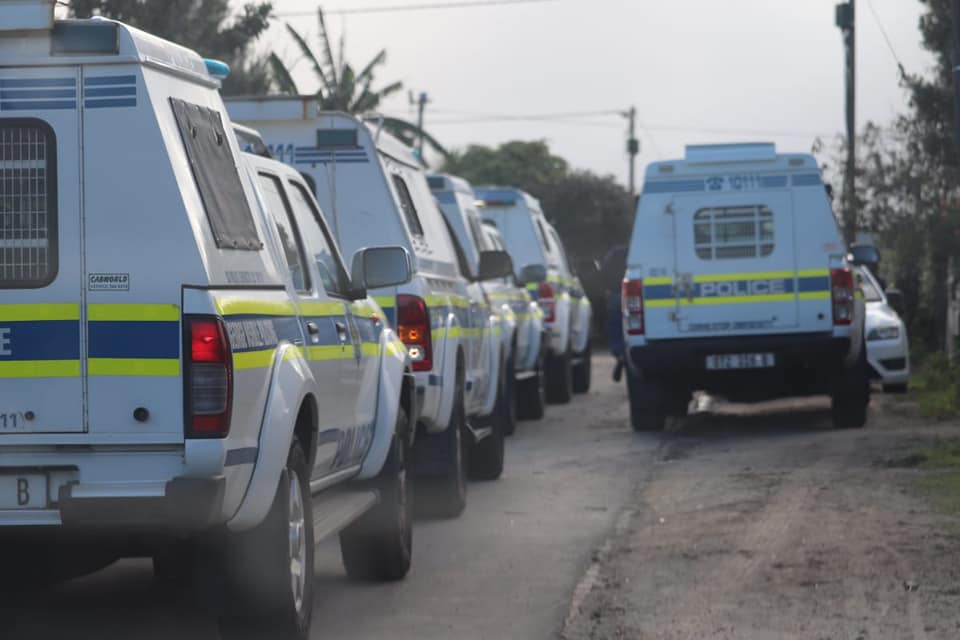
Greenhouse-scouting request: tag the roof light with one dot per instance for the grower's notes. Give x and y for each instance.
(217, 69)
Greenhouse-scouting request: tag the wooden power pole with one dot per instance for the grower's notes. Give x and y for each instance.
(847, 21)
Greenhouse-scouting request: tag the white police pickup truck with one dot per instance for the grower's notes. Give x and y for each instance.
(188, 371)
(375, 191)
(737, 283)
(534, 245)
(523, 320)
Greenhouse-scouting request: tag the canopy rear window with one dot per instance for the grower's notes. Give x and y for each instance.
(28, 204)
(733, 232)
(215, 172)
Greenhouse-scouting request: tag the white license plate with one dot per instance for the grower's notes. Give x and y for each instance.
(722, 362)
(23, 491)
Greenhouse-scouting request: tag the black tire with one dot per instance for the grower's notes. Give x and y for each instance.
(379, 545)
(903, 387)
(446, 496)
(507, 410)
(268, 571)
(559, 378)
(851, 395)
(531, 395)
(582, 372)
(486, 456)
(647, 412)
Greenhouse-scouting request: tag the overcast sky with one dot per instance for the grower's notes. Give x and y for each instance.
(697, 70)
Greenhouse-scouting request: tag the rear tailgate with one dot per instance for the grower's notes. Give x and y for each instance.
(735, 264)
(41, 287)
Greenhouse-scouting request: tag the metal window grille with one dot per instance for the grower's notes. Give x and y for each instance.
(27, 205)
(733, 232)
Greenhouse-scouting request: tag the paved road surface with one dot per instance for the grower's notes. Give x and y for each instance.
(742, 523)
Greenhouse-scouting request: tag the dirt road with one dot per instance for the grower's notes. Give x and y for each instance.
(762, 523)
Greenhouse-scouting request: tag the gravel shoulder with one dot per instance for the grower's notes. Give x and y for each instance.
(762, 522)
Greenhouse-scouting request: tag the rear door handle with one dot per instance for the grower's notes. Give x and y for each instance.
(312, 328)
(341, 331)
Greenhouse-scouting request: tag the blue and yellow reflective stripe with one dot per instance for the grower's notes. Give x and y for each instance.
(39, 312)
(235, 307)
(133, 313)
(321, 309)
(133, 340)
(40, 368)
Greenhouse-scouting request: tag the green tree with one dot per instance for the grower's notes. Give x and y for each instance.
(342, 88)
(591, 213)
(209, 27)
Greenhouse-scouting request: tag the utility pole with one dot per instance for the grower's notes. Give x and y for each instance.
(633, 147)
(953, 321)
(421, 102)
(847, 21)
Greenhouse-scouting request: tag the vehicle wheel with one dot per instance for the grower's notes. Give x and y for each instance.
(446, 496)
(559, 378)
(486, 456)
(852, 395)
(895, 388)
(531, 395)
(581, 372)
(268, 571)
(379, 545)
(646, 404)
(507, 403)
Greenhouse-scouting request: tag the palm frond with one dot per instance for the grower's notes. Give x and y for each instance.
(389, 90)
(281, 75)
(308, 54)
(367, 72)
(327, 49)
(348, 86)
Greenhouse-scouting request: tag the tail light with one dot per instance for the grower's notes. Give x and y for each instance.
(413, 325)
(842, 294)
(546, 301)
(208, 377)
(632, 305)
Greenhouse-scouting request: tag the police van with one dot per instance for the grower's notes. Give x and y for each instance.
(542, 265)
(189, 372)
(375, 191)
(523, 320)
(737, 283)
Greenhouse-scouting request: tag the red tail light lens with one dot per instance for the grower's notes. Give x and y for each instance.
(546, 301)
(413, 326)
(842, 294)
(208, 377)
(632, 305)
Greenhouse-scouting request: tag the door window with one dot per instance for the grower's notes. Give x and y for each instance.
(733, 232)
(279, 209)
(332, 273)
(28, 204)
(406, 203)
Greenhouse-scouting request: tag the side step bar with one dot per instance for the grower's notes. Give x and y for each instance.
(335, 510)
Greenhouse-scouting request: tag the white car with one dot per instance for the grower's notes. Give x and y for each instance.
(888, 350)
(189, 372)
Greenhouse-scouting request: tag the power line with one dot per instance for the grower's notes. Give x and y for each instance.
(427, 6)
(886, 37)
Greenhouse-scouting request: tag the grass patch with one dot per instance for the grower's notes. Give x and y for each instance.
(942, 484)
(937, 387)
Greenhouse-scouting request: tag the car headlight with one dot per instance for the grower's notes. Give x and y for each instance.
(884, 333)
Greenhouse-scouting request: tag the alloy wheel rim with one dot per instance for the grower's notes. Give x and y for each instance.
(297, 542)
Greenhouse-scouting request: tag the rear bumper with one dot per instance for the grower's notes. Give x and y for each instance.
(799, 358)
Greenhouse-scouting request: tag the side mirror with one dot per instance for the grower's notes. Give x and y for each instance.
(895, 299)
(533, 273)
(378, 267)
(494, 264)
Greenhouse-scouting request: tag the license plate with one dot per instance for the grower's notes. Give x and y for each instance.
(722, 362)
(23, 491)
